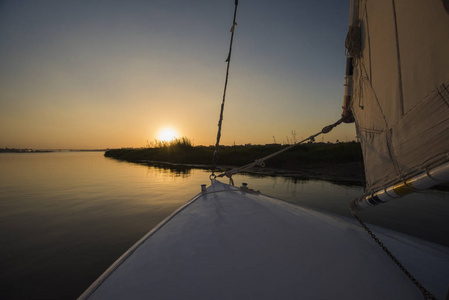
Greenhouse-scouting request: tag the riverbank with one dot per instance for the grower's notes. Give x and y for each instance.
(336, 162)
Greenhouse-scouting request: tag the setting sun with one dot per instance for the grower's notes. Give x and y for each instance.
(167, 135)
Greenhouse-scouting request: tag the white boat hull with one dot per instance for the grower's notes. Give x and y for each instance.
(231, 244)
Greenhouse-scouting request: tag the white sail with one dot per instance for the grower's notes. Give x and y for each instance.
(400, 88)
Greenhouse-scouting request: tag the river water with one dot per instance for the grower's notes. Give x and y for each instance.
(66, 216)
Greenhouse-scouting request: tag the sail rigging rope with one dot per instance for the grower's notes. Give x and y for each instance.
(258, 162)
(220, 121)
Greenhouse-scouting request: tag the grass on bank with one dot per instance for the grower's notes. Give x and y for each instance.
(182, 151)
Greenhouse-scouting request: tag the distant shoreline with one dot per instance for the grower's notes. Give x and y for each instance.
(26, 150)
(340, 162)
(14, 150)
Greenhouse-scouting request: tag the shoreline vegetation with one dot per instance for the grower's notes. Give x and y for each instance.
(340, 162)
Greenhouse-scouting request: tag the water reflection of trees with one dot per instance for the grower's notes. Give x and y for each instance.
(183, 171)
(301, 179)
(171, 170)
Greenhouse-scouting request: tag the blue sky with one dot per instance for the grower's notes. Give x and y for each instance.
(98, 74)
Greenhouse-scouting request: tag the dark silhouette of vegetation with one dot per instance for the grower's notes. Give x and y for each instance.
(181, 143)
(182, 151)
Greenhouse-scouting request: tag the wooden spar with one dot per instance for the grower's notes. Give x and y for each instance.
(419, 182)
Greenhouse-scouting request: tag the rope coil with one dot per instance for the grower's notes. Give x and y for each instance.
(353, 41)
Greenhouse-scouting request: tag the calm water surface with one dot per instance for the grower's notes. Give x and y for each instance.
(66, 216)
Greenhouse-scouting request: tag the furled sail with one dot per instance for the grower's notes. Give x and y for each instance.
(400, 87)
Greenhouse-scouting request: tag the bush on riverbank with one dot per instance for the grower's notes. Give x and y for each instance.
(182, 151)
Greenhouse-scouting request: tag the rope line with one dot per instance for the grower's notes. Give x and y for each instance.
(261, 161)
(220, 121)
(424, 291)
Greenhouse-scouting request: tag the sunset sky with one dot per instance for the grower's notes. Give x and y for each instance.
(106, 74)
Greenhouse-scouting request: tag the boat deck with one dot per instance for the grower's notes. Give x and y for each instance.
(231, 244)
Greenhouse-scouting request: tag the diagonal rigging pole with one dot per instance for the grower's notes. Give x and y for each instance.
(260, 161)
(228, 60)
